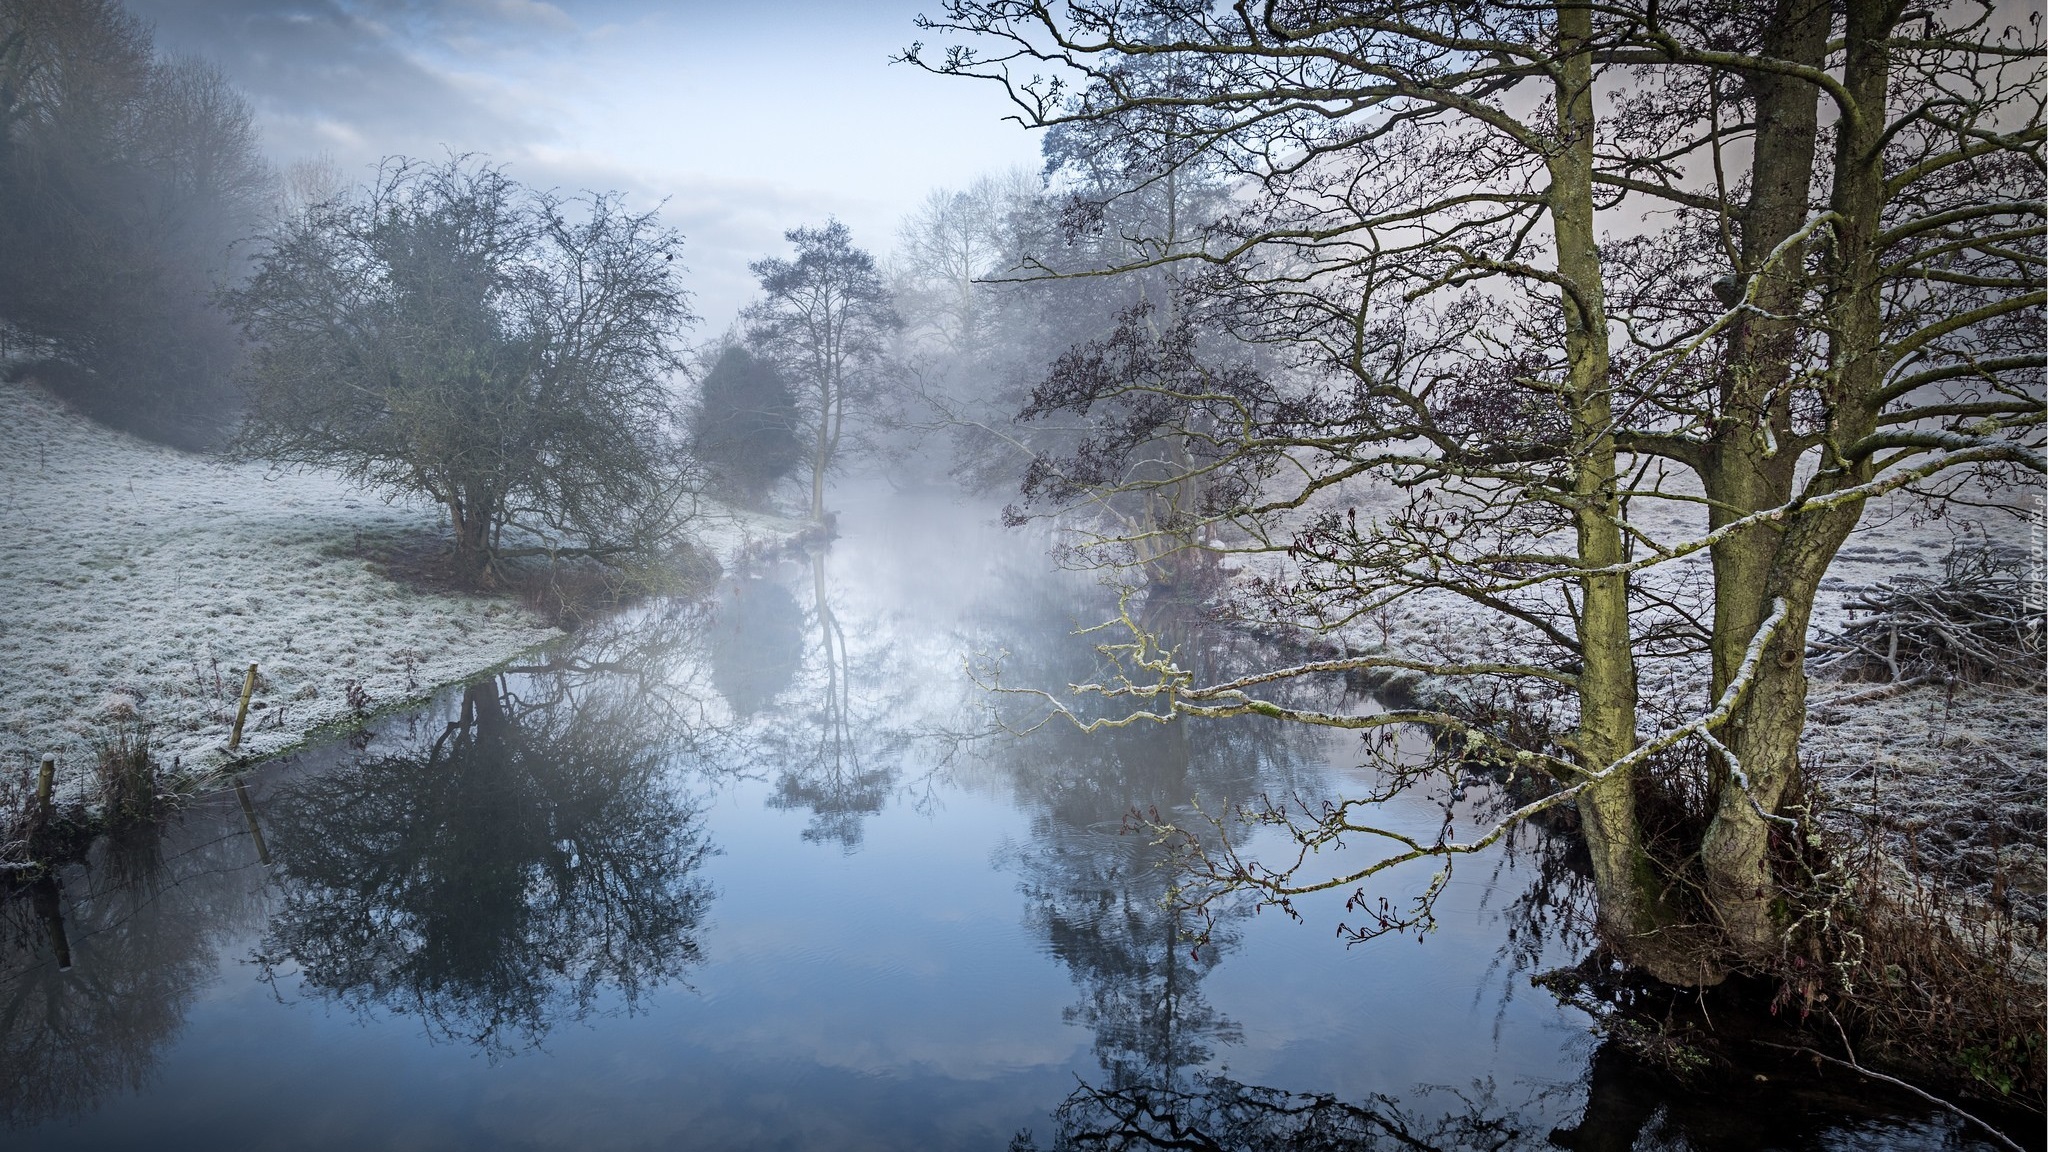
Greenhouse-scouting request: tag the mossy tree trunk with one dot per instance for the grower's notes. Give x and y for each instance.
(1627, 886)
(1764, 734)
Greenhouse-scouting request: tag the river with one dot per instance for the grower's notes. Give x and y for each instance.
(776, 871)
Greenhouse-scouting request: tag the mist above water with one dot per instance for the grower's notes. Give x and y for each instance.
(766, 870)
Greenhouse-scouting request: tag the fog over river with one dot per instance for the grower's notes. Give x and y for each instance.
(1023, 575)
(772, 871)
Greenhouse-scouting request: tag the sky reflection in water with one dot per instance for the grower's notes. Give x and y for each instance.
(755, 874)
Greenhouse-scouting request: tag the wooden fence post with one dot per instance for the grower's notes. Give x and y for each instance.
(45, 779)
(242, 712)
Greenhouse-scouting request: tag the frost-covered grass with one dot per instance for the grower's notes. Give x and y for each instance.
(1952, 779)
(139, 578)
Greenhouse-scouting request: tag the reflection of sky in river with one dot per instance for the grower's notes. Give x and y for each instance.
(938, 973)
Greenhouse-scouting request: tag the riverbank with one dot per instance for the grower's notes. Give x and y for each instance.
(1926, 892)
(1949, 771)
(140, 583)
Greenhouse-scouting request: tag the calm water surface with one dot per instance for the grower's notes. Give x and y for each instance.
(758, 874)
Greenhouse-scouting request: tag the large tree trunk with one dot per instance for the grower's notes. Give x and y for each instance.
(1749, 466)
(1752, 453)
(471, 521)
(1764, 733)
(1764, 736)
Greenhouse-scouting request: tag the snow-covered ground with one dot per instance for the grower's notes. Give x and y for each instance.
(1953, 776)
(139, 581)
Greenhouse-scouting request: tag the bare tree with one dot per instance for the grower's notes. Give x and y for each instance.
(1567, 276)
(498, 350)
(826, 318)
(310, 181)
(949, 254)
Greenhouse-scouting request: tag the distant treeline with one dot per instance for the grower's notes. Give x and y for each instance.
(127, 179)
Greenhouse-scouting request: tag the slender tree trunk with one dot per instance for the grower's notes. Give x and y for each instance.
(1625, 883)
(831, 407)
(822, 456)
(821, 459)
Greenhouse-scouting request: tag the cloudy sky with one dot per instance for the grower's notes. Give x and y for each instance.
(748, 119)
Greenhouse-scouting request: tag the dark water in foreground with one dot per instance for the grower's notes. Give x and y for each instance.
(755, 875)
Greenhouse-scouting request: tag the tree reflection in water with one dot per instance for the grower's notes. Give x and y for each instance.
(1100, 895)
(1099, 898)
(96, 978)
(1217, 1114)
(755, 644)
(837, 753)
(525, 861)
